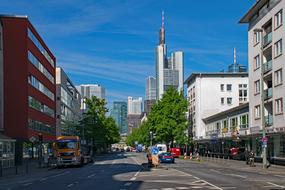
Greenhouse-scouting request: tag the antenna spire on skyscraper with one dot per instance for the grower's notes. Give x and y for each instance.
(162, 30)
(235, 56)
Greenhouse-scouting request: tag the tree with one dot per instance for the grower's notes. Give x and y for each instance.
(95, 127)
(167, 120)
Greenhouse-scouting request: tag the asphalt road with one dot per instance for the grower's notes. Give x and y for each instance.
(127, 172)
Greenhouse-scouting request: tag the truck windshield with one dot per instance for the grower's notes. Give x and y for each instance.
(66, 144)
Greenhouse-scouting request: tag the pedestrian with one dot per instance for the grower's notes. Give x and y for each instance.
(246, 155)
(251, 159)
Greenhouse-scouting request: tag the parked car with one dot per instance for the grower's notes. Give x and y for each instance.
(176, 152)
(166, 157)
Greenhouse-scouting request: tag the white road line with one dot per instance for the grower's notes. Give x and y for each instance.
(92, 175)
(167, 189)
(280, 176)
(133, 179)
(228, 187)
(181, 188)
(212, 185)
(26, 184)
(137, 173)
(70, 185)
(128, 184)
(275, 185)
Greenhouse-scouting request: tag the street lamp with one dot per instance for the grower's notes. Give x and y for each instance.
(150, 138)
(264, 147)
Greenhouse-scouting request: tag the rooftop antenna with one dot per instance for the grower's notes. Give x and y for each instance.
(162, 19)
(235, 56)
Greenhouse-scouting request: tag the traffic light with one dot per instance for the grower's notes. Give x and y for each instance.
(40, 137)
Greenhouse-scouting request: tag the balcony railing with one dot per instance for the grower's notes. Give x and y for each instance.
(267, 93)
(243, 126)
(268, 120)
(267, 39)
(267, 66)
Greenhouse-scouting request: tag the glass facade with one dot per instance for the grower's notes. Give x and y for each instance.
(33, 103)
(40, 47)
(41, 127)
(38, 85)
(40, 67)
(7, 153)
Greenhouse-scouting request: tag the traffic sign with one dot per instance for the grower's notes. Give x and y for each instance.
(32, 139)
(264, 139)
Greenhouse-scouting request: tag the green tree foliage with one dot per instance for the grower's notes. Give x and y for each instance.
(95, 127)
(167, 120)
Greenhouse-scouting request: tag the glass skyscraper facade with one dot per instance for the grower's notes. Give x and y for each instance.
(119, 114)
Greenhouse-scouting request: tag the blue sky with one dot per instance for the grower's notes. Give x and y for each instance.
(112, 42)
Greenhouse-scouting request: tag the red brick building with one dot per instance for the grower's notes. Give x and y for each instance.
(28, 81)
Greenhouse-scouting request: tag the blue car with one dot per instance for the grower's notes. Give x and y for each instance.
(166, 158)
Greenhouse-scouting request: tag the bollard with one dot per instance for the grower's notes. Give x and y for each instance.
(1, 168)
(27, 166)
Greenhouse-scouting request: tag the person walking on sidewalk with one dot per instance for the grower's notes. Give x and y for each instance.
(246, 155)
(251, 159)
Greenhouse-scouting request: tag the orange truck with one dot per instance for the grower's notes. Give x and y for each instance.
(68, 151)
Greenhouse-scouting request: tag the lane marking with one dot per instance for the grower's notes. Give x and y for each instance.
(70, 185)
(167, 189)
(26, 184)
(280, 176)
(137, 173)
(181, 188)
(228, 187)
(133, 179)
(128, 184)
(92, 175)
(212, 185)
(275, 185)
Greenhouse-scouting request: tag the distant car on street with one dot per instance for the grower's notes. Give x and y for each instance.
(166, 157)
(176, 152)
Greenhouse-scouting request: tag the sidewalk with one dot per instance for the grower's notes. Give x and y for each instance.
(28, 167)
(241, 165)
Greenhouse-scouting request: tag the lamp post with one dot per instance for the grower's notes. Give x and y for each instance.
(264, 147)
(150, 138)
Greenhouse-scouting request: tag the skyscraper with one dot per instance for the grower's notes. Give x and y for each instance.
(134, 105)
(119, 114)
(169, 70)
(150, 93)
(89, 90)
(150, 88)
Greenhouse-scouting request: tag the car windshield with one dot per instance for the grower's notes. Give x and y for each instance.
(166, 154)
(66, 144)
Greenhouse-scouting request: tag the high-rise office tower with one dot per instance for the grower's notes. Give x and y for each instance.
(169, 70)
(119, 114)
(89, 90)
(134, 105)
(150, 93)
(150, 88)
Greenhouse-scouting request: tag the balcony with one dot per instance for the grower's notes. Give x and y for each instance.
(267, 66)
(268, 120)
(267, 39)
(267, 93)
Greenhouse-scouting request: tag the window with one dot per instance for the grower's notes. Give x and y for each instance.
(257, 87)
(40, 67)
(225, 124)
(278, 19)
(41, 127)
(222, 101)
(278, 77)
(222, 87)
(33, 103)
(242, 93)
(279, 106)
(257, 62)
(256, 38)
(233, 122)
(278, 48)
(257, 112)
(229, 101)
(229, 87)
(40, 47)
(39, 86)
(243, 121)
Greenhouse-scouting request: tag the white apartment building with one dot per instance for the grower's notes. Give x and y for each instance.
(211, 93)
(266, 36)
(150, 88)
(134, 106)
